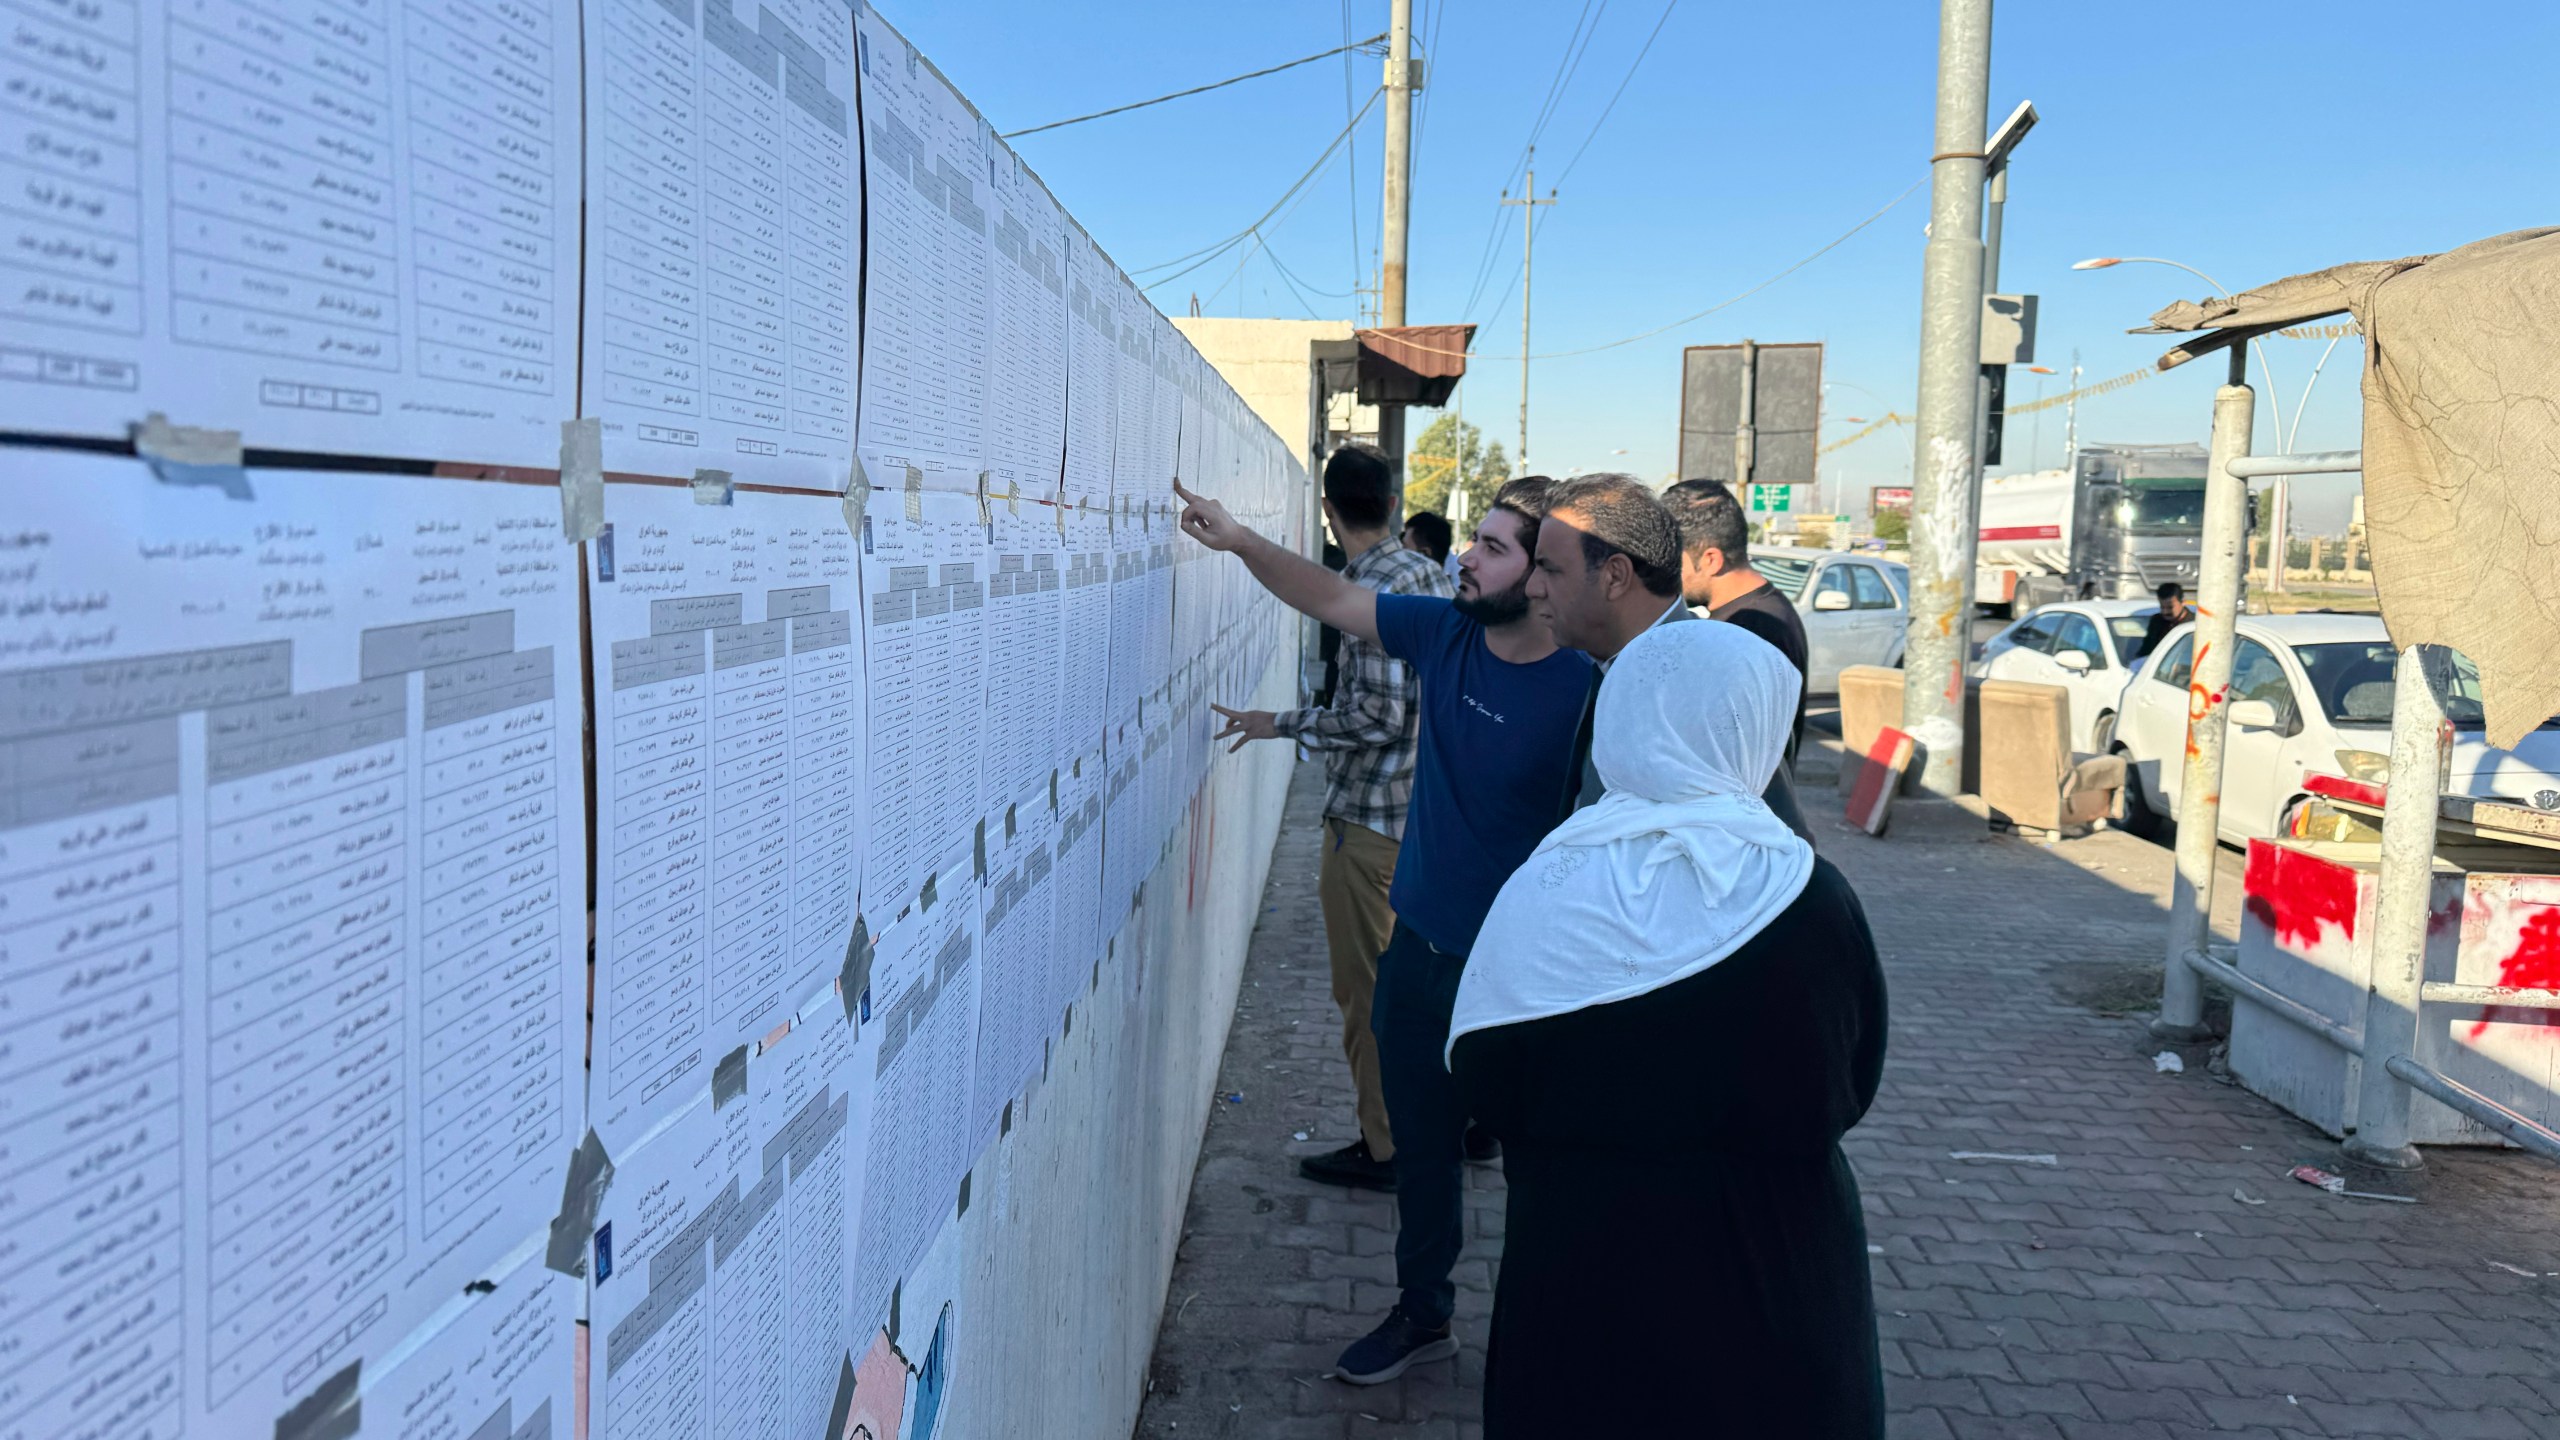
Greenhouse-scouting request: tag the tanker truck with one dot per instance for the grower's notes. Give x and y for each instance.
(2119, 522)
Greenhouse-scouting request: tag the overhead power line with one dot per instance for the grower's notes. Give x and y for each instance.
(1724, 304)
(1605, 110)
(1207, 253)
(1371, 42)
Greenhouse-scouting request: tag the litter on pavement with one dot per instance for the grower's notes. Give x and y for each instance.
(2010, 1159)
(2320, 1179)
(2168, 1063)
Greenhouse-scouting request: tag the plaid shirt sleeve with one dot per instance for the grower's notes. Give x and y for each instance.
(1374, 696)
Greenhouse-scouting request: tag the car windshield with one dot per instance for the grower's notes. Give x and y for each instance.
(1785, 572)
(2125, 632)
(2354, 682)
(2161, 510)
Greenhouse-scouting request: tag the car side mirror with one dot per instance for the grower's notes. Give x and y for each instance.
(2075, 661)
(2254, 714)
(1831, 600)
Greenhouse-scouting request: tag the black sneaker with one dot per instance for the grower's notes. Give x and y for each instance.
(1396, 1346)
(1482, 1148)
(1352, 1166)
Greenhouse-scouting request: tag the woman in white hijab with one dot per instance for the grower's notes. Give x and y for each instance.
(1672, 1015)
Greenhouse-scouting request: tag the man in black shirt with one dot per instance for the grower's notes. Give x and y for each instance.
(1716, 576)
(2173, 613)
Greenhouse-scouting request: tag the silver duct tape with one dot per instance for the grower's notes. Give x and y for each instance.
(915, 495)
(334, 1410)
(729, 1078)
(855, 977)
(713, 487)
(192, 455)
(857, 496)
(581, 479)
(581, 1194)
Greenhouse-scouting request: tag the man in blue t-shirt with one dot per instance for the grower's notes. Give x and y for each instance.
(1500, 707)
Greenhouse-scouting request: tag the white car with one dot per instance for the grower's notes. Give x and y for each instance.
(2087, 647)
(2310, 694)
(1854, 607)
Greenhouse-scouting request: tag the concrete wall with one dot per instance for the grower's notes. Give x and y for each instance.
(1269, 364)
(1055, 1275)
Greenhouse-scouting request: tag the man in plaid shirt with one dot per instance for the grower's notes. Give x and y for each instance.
(1367, 736)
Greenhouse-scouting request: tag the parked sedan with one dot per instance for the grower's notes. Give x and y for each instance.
(2309, 694)
(1854, 607)
(2086, 647)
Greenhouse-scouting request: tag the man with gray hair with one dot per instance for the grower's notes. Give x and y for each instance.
(1608, 570)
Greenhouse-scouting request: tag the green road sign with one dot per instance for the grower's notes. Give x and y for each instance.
(1772, 499)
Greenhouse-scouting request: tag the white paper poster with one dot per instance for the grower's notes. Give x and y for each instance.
(344, 228)
(290, 908)
(925, 335)
(728, 695)
(502, 1368)
(924, 595)
(724, 236)
(720, 1292)
(920, 1042)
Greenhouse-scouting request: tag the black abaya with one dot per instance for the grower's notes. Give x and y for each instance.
(1684, 1253)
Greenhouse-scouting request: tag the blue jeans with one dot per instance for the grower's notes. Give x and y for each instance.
(1417, 987)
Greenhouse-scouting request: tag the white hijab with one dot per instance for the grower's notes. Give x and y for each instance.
(1679, 864)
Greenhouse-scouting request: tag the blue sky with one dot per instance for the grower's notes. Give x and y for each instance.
(1752, 136)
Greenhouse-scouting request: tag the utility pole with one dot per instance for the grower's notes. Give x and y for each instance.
(1942, 466)
(1529, 203)
(1399, 193)
(1397, 210)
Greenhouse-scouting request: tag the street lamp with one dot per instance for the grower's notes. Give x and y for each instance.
(2035, 437)
(2275, 407)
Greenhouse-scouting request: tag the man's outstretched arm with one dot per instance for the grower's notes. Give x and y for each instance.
(1300, 583)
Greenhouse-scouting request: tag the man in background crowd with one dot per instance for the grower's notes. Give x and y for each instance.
(1366, 733)
(2173, 613)
(1716, 577)
(1427, 532)
(1608, 570)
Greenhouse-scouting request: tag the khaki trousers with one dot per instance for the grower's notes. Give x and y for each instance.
(1351, 885)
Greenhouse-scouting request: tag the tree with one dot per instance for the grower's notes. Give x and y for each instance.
(1893, 526)
(1446, 449)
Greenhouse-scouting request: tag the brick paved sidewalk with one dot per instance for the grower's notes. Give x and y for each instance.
(2124, 1292)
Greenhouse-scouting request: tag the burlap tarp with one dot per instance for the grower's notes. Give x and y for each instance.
(2461, 448)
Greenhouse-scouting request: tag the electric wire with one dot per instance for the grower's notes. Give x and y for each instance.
(1207, 253)
(1623, 81)
(1200, 89)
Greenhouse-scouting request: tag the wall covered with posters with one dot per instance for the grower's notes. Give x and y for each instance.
(607, 823)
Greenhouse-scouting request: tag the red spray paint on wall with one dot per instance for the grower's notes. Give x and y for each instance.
(2533, 965)
(2297, 896)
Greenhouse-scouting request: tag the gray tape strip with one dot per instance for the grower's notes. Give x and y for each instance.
(581, 479)
(915, 495)
(978, 856)
(192, 455)
(713, 487)
(334, 1411)
(729, 1078)
(986, 511)
(590, 1171)
(855, 977)
(857, 495)
(926, 896)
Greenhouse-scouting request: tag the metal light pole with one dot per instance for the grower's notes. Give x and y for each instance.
(1942, 467)
(1528, 203)
(2218, 569)
(1995, 204)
